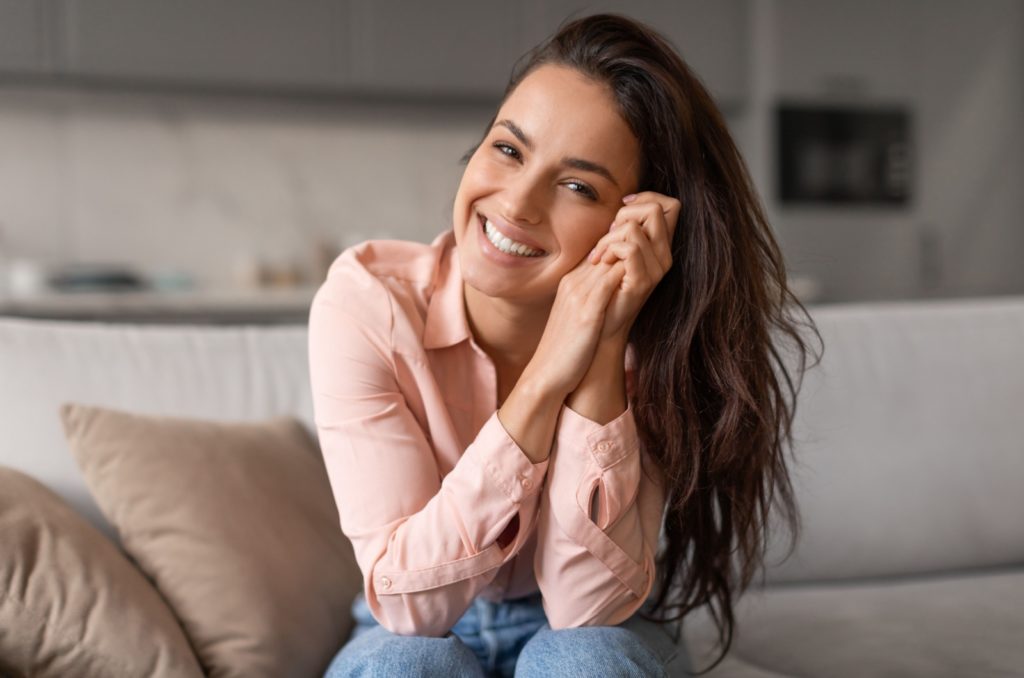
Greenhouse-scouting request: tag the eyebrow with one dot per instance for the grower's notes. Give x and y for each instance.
(577, 163)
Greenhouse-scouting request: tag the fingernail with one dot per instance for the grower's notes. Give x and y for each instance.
(612, 227)
(629, 198)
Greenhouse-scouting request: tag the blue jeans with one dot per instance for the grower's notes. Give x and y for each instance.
(511, 638)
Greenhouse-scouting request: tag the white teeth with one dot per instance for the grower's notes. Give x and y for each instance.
(508, 246)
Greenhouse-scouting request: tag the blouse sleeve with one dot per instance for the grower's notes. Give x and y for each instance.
(426, 545)
(599, 523)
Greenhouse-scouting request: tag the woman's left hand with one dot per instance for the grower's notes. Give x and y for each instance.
(640, 236)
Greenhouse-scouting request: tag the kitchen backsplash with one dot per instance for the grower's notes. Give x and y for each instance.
(211, 187)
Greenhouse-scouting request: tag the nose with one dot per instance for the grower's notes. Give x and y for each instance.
(522, 200)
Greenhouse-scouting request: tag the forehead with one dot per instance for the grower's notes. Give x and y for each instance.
(563, 111)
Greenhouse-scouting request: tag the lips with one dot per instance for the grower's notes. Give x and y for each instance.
(511, 232)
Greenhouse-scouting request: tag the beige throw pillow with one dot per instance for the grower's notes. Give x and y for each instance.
(71, 604)
(236, 525)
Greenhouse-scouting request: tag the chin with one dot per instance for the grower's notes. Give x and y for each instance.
(496, 284)
(475, 273)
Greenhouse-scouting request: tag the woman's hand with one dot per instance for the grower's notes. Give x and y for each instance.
(598, 300)
(640, 239)
(574, 326)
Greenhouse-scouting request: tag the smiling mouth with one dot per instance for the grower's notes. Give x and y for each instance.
(504, 243)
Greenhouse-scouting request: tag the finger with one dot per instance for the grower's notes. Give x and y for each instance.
(639, 249)
(632, 231)
(585, 277)
(669, 206)
(578, 286)
(597, 291)
(605, 286)
(587, 273)
(655, 224)
(639, 273)
(581, 274)
(612, 235)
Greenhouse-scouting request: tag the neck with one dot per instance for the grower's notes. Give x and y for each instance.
(507, 331)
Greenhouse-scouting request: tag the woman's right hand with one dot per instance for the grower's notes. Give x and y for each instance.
(574, 326)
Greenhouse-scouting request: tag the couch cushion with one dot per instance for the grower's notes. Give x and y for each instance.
(235, 524)
(212, 372)
(71, 604)
(910, 441)
(941, 627)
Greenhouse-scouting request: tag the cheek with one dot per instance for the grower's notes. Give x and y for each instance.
(476, 180)
(470, 187)
(579, 230)
(484, 163)
(484, 174)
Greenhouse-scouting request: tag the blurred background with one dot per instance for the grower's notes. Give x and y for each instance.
(190, 160)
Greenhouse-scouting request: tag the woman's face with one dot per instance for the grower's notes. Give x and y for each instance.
(549, 175)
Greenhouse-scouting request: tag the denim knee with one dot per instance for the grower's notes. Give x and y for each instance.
(588, 651)
(378, 652)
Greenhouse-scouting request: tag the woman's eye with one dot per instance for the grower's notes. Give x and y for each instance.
(585, 190)
(507, 149)
(511, 151)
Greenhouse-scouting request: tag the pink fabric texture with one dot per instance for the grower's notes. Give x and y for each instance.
(426, 478)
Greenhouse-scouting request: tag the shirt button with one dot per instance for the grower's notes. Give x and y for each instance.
(385, 582)
(604, 446)
(527, 483)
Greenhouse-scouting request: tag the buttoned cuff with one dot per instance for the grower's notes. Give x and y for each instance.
(607, 444)
(505, 463)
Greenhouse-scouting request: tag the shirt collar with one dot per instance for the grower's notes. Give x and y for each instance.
(446, 323)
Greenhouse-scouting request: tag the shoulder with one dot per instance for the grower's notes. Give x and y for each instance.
(388, 261)
(376, 263)
(369, 280)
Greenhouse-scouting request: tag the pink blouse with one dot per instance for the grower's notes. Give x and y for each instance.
(426, 478)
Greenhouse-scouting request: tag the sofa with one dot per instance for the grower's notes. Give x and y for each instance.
(908, 468)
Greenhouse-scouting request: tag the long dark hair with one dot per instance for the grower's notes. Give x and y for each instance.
(714, 395)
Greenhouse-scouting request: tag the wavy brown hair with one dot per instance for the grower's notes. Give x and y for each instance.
(714, 397)
(719, 343)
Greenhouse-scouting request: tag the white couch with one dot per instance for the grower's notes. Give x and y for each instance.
(909, 473)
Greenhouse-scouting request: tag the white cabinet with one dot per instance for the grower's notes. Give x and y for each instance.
(267, 43)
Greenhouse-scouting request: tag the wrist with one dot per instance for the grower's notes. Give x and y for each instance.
(540, 389)
(609, 362)
(601, 395)
(614, 345)
(530, 415)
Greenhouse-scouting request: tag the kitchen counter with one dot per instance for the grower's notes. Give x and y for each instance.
(224, 306)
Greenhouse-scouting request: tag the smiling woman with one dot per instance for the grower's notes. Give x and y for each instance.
(559, 428)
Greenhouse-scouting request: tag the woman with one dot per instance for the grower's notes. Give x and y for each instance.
(511, 415)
